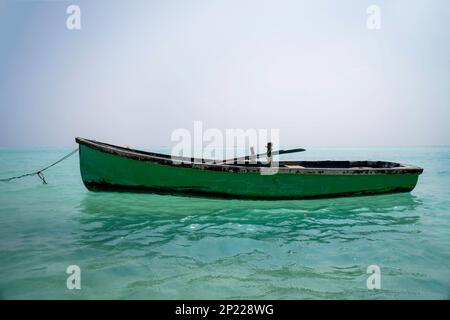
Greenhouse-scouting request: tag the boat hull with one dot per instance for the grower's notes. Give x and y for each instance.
(106, 171)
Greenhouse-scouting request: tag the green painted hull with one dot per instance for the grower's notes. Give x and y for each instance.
(102, 171)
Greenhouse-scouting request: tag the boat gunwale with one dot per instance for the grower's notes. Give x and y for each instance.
(185, 162)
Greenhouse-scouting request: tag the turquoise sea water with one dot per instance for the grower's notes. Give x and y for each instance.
(164, 247)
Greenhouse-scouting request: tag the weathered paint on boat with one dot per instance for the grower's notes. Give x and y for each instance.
(107, 167)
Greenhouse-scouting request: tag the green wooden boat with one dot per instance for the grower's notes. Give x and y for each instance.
(106, 167)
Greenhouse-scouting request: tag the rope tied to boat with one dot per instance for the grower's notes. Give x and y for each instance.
(40, 173)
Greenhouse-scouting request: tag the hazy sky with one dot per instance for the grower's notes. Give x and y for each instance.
(137, 70)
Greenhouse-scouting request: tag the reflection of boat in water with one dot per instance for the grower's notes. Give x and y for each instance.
(105, 218)
(158, 206)
(108, 167)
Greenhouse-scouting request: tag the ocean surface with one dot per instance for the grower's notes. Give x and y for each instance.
(142, 246)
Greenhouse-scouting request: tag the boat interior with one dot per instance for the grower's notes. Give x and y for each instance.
(339, 164)
(248, 163)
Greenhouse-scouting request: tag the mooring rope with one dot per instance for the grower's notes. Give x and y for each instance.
(40, 172)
